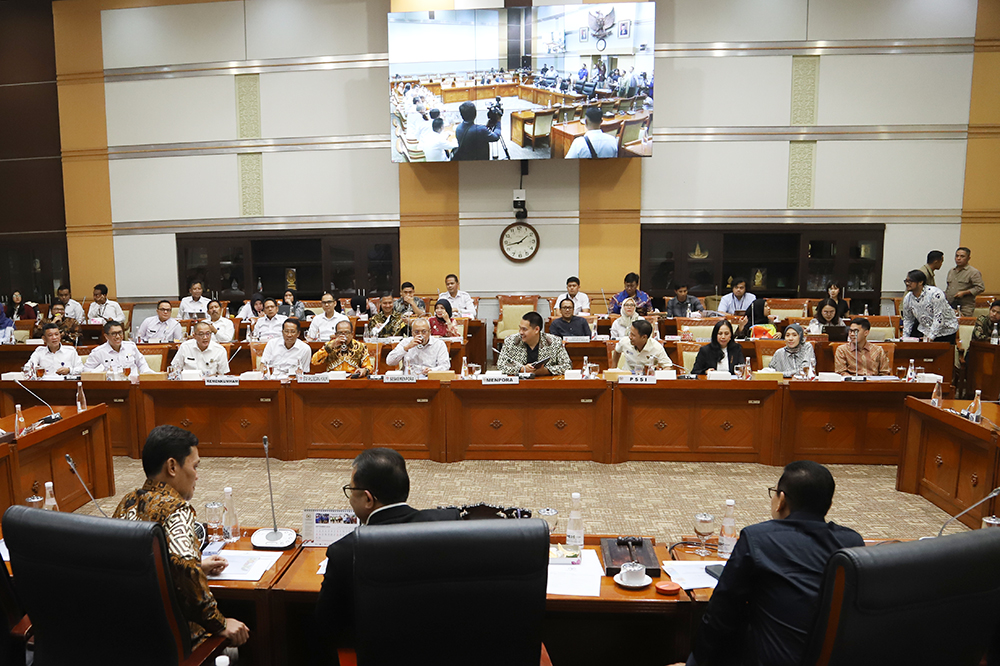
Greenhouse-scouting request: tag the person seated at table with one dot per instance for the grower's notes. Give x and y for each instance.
(73, 308)
(116, 354)
(287, 354)
(170, 461)
(421, 352)
(377, 492)
(987, 323)
(581, 302)
(683, 304)
(101, 309)
(925, 310)
(223, 329)
(252, 309)
(533, 351)
(764, 605)
(324, 325)
(202, 355)
(722, 353)
(643, 304)
(620, 327)
(345, 354)
(387, 323)
(795, 354)
(858, 356)
(193, 306)
(291, 306)
(569, 324)
(408, 303)
(594, 143)
(268, 326)
(161, 327)
(21, 308)
(825, 315)
(442, 324)
(434, 144)
(6, 324)
(360, 307)
(639, 350)
(759, 322)
(737, 301)
(461, 303)
(54, 357)
(69, 328)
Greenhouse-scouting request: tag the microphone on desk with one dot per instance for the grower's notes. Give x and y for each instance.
(272, 539)
(53, 415)
(72, 467)
(238, 347)
(996, 491)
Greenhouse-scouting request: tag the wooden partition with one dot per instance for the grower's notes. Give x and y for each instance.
(983, 369)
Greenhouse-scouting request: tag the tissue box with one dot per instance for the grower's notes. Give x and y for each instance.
(929, 378)
(719, 374)
(338, 374)
(93, 376)
(574, 374)
(830, 377)
(152, 377)
(612, 375)
(442, 375)
(11, 376)
(666, 374)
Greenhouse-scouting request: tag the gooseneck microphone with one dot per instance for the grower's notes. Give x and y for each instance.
(53, 414)
(996, 491)
(72, 467)
(272, 539)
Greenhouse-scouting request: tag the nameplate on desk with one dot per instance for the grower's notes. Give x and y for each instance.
(222, 381)
(399, 379)
(576, 339)
(499, 379)
(636, 379)
(314, 379)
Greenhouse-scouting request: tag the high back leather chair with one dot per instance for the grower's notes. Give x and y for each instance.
(15, 628)
(425, 579)
(98, 591)
(923, 602)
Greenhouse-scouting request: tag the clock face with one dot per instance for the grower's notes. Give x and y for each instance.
(519, 241)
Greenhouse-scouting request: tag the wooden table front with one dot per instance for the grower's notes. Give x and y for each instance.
(983, 369)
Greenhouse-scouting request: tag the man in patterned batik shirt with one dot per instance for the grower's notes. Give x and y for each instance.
(170, 461)
(345, 353)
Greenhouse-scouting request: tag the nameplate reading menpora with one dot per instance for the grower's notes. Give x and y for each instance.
(502, 379)
(636, 379)
(399, 379)
(314, 379)
(222, 381)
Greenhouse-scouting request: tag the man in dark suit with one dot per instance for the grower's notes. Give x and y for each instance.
(377, 492)
(473, 140)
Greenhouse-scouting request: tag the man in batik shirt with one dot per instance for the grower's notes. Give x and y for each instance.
(170, 461)
(387, 323)
(345, 353)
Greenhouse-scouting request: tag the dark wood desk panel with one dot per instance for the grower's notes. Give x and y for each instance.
(948, 460)
(538, 419)
(228, 420)
(936, 357)
(983, 369)
(475, 343)
(853, 423)
(452, 94)
(13, 357)
(342, 418)
(118, 396)
(595, 351)
(697, 420)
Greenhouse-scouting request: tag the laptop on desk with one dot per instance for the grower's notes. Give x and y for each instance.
(836, 333)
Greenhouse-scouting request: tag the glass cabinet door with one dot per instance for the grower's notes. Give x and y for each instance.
(864, 258)
(340, 267)
(194, 266)
(821, 264)
(232, 275)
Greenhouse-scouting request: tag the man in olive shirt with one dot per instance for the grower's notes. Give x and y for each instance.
(964, 283)
(935, 260)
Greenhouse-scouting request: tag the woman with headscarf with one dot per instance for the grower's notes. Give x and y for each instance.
(291, 306)
(722, 353)
(759, 324)
(252, 309)
(620, 327)
(20, 308)
(796, 353)
(442, 323)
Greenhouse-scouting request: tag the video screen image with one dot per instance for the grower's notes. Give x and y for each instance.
(552, 82)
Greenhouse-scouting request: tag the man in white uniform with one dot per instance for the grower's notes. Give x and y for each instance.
(581, 302)
(54, 357)
(73, 309)
(462, 304)
(161, 327)
(116, 353)
(324, 326)
(201, 354)
(287, 354)
(223, 329)
(102, 309)
(268, 326)
(422, 352)
(594, 143)
(194, 306)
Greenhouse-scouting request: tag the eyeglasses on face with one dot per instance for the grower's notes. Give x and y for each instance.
(348, 488)
(772, 492)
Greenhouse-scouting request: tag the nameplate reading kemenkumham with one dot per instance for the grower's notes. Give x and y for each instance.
(501, 379)
(222, 381)
(314, 379)
(636, 379)
(399, 379)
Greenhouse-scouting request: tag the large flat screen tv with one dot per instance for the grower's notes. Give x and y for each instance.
(552, 82)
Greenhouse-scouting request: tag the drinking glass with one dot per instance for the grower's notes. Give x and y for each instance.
(213, 516)
(704, 527)
(901, 372)
(39, 372)
(127, 370)
(28, 371)
(551, 516)
(475, 369)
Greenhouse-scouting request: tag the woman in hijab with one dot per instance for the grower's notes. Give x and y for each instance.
(253, 309)
(21, 309)
(722, 353)
(797, 352)
(442, 323)
(291, 306)
(759, 324)
(619, 329)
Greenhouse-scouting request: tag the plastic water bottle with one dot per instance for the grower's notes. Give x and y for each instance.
(230, 523)
(298, 373)
(19, 424)
(976, 408)
(81, 399)
(465, 367)
(936, 396)
(574, 529)
(866, 310)
(50, 498)
(727, 534)
(911, 372)
(995, 338)
(586, 367)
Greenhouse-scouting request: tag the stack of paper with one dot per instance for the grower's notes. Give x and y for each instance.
(578, 580)
(246, 564)
(691, 575)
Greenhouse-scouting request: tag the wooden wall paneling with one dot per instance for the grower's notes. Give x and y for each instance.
(9, 475)
(983, 369)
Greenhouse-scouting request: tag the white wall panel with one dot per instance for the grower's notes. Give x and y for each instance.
(174, 188)
(485, 269)
(890, 174)
(716, 174)
(146, 266)
(721, 92)
(201, 108)
(332, 182)
(173, 34)
(284, 29)
(551, 185)
(895, 89)
(728, 21)
(907, 245)
(324, 103)
(891, 19)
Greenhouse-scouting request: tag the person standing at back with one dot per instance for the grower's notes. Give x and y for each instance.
(935, 260)
(964, 283)
(473, 140)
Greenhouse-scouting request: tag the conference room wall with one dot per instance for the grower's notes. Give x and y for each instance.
(150, 262)
(910, 244)
(891, 19)
(174, 188)
(171, 110)
(340, 102)
(485, 271)
(310, 28)
(686, 21)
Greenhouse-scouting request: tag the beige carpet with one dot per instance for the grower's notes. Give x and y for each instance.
(647, 498)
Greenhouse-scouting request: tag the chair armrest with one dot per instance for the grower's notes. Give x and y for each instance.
(347, 657)
(209, 648)
(22, 631)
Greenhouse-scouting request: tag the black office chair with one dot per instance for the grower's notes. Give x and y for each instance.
(578, 87)
(452, 592)
(589, 89)
(15, 629)
(923, 602)
(98, 591)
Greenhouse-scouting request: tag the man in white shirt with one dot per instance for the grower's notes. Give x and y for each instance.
(324, 326)
(201, 354)
(422, 352)
(54, 357)
(223, 329)
(73, 309)
(739, 300)
(434, 144)
(581, 302)
(116, 353)
(193, 306)
(639, 350)
(594, 143)
(161, 327)
(268, 326)
(286, 354)
(462, 304)
(102, 309)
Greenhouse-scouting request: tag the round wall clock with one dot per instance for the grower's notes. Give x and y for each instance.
(519, 241)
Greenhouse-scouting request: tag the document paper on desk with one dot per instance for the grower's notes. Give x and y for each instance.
(691, 575)
(246, 564)
(577, 580)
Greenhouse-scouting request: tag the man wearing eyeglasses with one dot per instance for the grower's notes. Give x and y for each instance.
(764, 605)
(116, 353)
(324, 326)
(161, 327)
(377, 492)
